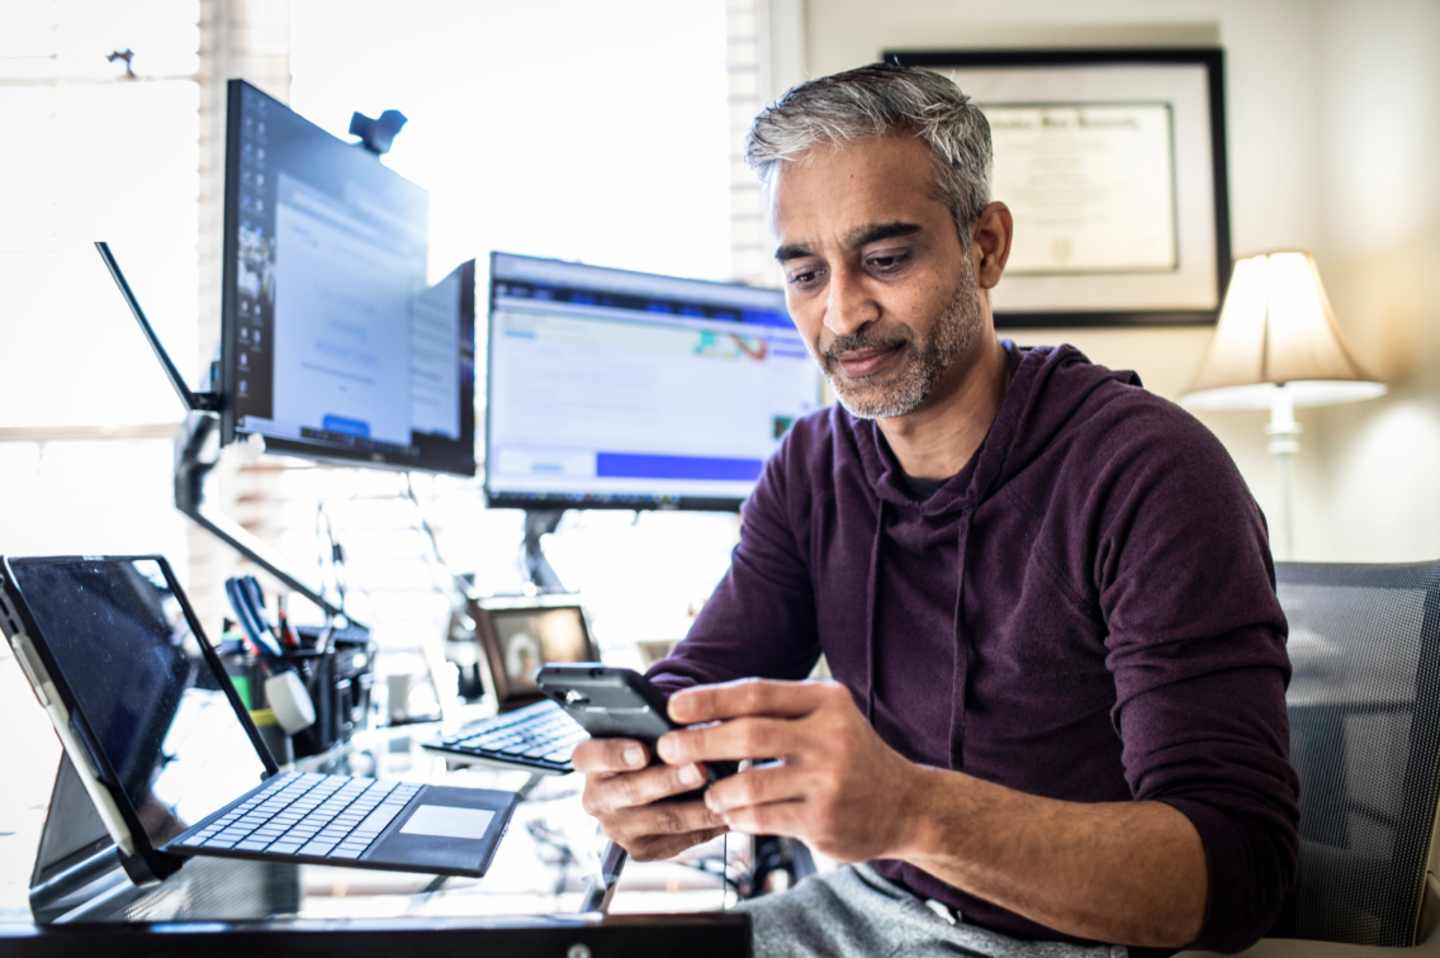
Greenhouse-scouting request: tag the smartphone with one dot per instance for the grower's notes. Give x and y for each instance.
(614, 703)
(608, 702)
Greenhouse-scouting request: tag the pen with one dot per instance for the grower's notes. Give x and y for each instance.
(287, 634)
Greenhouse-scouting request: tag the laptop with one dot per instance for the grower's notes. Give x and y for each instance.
(170, 757)
(529, 730)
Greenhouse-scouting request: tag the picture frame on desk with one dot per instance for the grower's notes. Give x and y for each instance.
(518, 637)
(1113, 164)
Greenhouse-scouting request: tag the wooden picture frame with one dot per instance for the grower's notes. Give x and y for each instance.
(1113, 164)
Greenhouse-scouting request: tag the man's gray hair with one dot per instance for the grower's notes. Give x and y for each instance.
(883, 99)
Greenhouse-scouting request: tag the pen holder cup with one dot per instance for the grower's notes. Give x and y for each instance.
(339, 680)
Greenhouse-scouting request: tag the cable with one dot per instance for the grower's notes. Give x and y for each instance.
(334, 560)
(458, 582)
(732, 878)
(725, 860)
(550, 840)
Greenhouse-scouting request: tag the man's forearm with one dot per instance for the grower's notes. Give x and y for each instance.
(1129, 873)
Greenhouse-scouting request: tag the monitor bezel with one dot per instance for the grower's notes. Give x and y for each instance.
(109, 778)
(540, 501)
(230, 431)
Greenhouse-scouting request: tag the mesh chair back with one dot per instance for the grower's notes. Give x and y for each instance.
(1364, 707)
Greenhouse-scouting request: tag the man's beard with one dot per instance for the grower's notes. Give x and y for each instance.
(899, 391)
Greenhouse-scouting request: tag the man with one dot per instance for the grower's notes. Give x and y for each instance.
(1046, 594)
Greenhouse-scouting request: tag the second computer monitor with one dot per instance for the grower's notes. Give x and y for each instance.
(614, 388)
(334, 346)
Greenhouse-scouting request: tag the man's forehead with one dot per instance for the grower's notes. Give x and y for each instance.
(842, 193)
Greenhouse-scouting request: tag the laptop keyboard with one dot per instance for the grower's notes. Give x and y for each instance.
(541, 735)
(323, 816)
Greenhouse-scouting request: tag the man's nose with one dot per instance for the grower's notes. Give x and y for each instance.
(848, 305)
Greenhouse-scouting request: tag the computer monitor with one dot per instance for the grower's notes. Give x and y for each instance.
(332, 344)
(611, 388)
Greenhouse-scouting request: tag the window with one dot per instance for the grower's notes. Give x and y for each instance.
(103, 148)
(594, 131)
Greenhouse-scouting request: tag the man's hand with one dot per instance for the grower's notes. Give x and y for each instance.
(837, 785)
(629, 799)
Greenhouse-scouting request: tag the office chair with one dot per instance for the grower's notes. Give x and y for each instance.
(1364, 707)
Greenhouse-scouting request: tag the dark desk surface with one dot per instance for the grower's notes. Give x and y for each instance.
(544, 867)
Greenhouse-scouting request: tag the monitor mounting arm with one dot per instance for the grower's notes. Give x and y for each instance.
(541, 522)
(192, 468)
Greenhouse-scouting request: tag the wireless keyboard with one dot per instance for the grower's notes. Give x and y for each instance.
(539, 737)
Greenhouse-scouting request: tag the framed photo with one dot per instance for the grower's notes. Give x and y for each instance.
(1113, 165)
(518, 639)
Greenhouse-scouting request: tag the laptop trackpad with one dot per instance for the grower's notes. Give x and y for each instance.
(448, 821)
(446, 831)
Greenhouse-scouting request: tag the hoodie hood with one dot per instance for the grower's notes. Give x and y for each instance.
(1049, 385)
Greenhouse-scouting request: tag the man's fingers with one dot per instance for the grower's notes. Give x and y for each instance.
(609, 755)
(708, 703)
(732, 741)
(632, 825)
(757, 786)
(776, 818)
(668, 846)
(608, 794)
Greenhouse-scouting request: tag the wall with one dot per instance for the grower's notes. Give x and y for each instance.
(1331, 111)
(1378, 100)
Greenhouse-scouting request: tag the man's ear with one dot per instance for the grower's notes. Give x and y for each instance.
(990, 243)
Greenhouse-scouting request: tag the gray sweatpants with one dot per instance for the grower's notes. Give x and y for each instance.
(854, 911)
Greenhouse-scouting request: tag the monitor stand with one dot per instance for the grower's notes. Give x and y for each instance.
(191, 471)
(75, 860)
(541, 522)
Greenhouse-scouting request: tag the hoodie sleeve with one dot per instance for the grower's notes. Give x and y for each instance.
(1197, 648)
(760, 621)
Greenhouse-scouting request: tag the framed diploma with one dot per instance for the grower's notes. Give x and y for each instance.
(1113, 165)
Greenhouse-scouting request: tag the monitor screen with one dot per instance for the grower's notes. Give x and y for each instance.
(333, 344)
(607, 387)
(121, 641)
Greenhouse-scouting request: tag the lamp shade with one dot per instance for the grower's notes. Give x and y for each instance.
(1277, 329)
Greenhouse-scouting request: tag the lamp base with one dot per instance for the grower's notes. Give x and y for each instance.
(1284, 432)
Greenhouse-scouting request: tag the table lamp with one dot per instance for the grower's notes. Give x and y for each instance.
(1277, 347)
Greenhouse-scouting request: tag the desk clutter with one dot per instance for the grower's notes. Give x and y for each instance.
(166, 793)
(307, 688)
(164, 746)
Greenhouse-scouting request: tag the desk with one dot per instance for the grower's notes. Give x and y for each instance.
(528, 903)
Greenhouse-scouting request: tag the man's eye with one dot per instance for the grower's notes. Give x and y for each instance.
(888, 263)
(804, 277)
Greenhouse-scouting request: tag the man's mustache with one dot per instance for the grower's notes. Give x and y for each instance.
(856, 342)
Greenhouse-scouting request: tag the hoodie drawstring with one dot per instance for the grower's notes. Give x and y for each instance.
(872, 590)
(961, 666)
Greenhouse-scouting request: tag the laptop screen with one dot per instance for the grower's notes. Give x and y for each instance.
(120, 638)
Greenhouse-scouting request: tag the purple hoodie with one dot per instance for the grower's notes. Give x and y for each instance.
(1086, 612)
